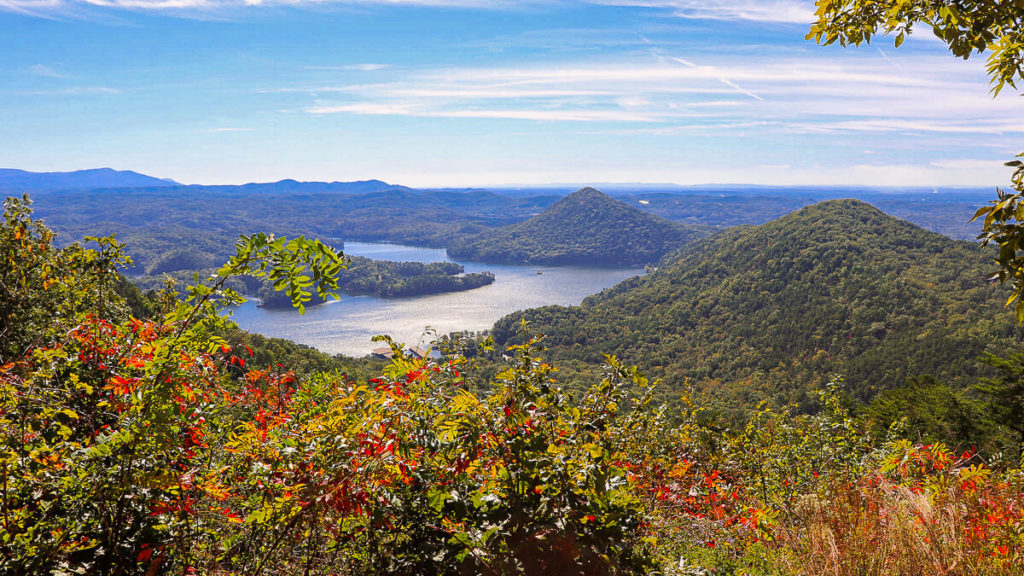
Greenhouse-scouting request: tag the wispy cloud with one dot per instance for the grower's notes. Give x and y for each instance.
(967, 164)
(365, 67)
(45, 71)
(562, 115)
(30, 5)
(797, 95)
(71, 91)
(721, 79)
(224, 130)
(42, 7)
(914, 126)
(788, 11)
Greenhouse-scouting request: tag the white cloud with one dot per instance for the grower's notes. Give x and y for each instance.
(73, 91)
(18, 5)
(373, 109)
(968, 164)
(911, 126)
(50, 6)
(367, 67)
(786, 11)
(224, 130)
(774, 11)
(37, 8)
(909, 175)
(45, 71)
(809, 95)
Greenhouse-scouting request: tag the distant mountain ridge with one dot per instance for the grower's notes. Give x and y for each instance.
(773, 311)
(12, 180)
(20, 181)
(290, 186)
(587, 227)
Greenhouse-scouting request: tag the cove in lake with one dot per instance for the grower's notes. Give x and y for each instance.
(347, 325)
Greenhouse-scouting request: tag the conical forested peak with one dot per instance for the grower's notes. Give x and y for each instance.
(598, 209)
(587, 227)
(589, 193)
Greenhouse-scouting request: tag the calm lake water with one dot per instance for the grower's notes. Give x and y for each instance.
(346, 326)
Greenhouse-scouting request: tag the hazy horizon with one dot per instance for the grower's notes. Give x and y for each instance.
(546, 186)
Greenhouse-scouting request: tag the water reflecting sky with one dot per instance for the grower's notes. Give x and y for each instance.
(346, 326)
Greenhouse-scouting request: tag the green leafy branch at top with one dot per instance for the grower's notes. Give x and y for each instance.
(966, 26)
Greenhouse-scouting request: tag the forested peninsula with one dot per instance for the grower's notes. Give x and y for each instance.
(380, 278)
(385, 279)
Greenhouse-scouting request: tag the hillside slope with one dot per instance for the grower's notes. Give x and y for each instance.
(585, 228)
(775, 310)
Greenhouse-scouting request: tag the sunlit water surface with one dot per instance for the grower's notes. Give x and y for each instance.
(347, 326)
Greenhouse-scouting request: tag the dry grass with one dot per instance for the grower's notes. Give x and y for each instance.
(883, 529)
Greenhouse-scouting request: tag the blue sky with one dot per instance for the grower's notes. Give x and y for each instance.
(488, 92)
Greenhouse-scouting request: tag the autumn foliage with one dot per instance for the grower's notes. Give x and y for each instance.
(150, 446)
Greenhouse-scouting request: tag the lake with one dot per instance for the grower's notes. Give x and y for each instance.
(346, 326)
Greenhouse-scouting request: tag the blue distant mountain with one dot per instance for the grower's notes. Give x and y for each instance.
(107, 179)
(296, 187)
(21, 181)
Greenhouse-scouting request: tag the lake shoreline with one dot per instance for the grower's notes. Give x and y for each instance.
(346, 326)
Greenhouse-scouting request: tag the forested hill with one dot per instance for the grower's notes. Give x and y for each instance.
(776, 309)
(587, 228)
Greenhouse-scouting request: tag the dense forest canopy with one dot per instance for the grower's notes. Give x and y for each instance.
(773, 311)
